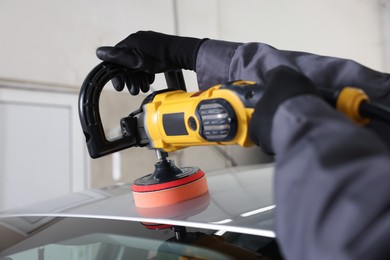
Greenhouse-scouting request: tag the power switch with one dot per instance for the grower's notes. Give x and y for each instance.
(192, 123)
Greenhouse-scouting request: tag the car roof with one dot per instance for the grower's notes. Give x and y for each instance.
(239, 199)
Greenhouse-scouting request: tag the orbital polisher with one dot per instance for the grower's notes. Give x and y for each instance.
(173, 119)
(169, 120)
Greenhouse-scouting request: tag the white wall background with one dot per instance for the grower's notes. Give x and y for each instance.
(54, 41)
(48, 46)
(40, 153)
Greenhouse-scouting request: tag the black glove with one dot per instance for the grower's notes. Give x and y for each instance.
(152, 52)
(135, 81)
(282, 84)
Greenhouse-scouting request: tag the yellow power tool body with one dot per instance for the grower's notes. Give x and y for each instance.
(170, 119)
(173, 119)
(176, 119)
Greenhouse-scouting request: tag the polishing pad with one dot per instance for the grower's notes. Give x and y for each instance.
(168, 185)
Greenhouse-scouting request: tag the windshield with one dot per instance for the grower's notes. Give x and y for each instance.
(101, 239)
(109, 246)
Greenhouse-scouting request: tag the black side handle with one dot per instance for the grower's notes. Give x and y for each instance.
(89, 112)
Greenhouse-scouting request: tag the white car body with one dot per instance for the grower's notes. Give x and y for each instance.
(239, 200)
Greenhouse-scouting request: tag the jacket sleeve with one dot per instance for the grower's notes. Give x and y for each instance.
(221, 61)
(332, 184)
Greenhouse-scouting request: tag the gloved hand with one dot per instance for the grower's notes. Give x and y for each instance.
(135, 81)
(282, 84)
(152, 52)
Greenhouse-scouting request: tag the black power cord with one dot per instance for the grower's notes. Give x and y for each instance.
(365, 109)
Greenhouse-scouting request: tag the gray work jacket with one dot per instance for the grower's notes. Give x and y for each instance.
(332, 180)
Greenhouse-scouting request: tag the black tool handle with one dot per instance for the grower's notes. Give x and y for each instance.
(175, 80)
(89, 111)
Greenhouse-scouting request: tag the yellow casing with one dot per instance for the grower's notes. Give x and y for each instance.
(179, 101)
